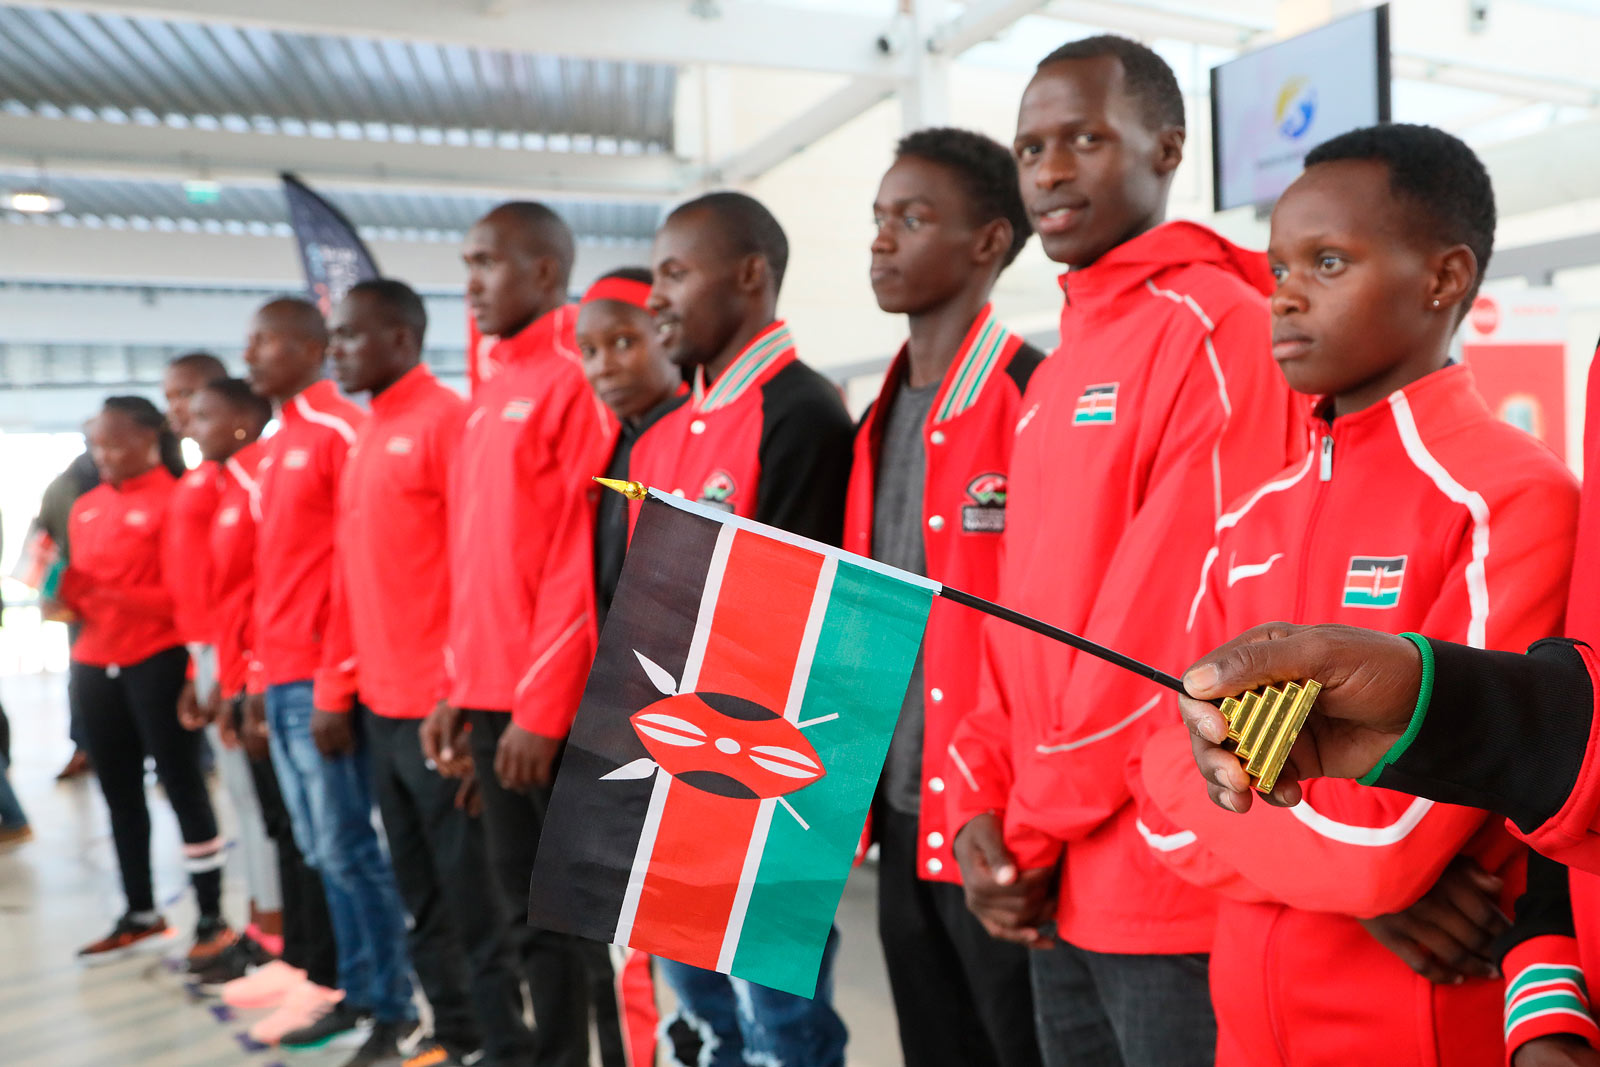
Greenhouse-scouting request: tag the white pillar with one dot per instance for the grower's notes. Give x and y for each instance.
(925, 91)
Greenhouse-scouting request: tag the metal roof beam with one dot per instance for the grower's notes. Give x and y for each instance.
(750, 35)
(806, 128)
(978, 22)
(70, 146)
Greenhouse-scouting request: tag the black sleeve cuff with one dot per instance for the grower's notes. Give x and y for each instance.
(1504, 732)
(1543, 910)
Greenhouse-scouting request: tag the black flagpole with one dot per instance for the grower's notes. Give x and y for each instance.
(639, 491)
(1066, 637)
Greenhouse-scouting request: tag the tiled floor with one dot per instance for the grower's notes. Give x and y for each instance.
(60, 890)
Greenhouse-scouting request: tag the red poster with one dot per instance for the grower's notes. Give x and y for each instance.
(1516, 345)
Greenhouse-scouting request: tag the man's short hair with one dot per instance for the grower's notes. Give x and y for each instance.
(400, 303)
(1442, 182)
(301, 314)
(746, 225)
(1145, 75)
(204, 364)
(987, 173)
(545, 232)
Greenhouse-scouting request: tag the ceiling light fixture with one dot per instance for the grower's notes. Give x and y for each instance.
(35, 202)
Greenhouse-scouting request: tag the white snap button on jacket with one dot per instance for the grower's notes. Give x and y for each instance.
(935, 839)
(936, 694)
(936, 785)
(697, 426)
(936, 522)
(935, 865)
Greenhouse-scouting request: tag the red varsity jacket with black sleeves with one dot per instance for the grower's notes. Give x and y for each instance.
(967, 440)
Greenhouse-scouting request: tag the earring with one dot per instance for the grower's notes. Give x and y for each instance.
(1436, 303)
(239, 435)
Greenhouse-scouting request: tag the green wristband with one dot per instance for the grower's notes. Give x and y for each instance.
(1418, 715)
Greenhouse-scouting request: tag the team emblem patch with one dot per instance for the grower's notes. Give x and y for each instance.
(136, 518)
(718, 490)
(296, 459)
(1374, 582)
(1097, 405)
(517, 410)
(986, 512)
(399, 446)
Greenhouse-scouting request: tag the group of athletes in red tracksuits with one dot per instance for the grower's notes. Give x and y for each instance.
(1221, 438)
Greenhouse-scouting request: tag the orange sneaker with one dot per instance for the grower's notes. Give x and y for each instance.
(128, 936)
(211, 936)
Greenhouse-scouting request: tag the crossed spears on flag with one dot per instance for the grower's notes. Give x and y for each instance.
(729, 642)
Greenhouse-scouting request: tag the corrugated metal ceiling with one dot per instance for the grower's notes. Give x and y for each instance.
(137, 69)
(397, 215)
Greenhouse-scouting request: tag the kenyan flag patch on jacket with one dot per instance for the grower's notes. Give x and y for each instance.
(1097, 405)
(1374, 581)
(720, 768)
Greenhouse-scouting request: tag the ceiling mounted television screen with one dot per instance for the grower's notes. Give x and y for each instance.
(1272, 106)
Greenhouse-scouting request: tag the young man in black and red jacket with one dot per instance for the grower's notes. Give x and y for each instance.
(928, 493)
(766, 437)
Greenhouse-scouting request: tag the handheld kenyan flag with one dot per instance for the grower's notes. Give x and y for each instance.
(720, 768)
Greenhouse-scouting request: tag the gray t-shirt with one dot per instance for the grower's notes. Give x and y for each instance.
(897, 541)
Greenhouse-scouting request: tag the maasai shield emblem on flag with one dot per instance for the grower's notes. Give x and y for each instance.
(720, 768)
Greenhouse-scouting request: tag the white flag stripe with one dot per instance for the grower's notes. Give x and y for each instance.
(708, 610)
(641, 858)
(691, 675)
(747, 881)
(791, 711)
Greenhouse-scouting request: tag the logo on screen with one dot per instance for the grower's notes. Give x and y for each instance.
(1297, 106)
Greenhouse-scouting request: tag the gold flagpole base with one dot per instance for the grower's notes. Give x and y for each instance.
(1263, 725)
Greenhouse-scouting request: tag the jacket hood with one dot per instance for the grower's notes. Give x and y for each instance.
(1171, 245)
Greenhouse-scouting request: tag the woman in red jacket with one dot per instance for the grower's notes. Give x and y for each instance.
(129, 666)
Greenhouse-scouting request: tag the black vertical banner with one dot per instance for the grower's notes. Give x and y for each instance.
(330, 250)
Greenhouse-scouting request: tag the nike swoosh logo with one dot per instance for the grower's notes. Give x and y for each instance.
(1252, 570)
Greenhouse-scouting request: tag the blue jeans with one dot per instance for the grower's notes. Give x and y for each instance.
(729, 1022)
(11, 813)
(330, 806)
(1100, 1009)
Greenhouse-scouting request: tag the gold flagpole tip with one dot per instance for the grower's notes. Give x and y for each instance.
(631, 490)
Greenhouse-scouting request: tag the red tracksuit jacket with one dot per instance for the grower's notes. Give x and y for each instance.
(521, 631)
(114, 580)
(1161, 404)
(391, 585)
(1423, 513)
(232, 552)
(968, 444)
(294, 545)
(186, 560)
(769, 440)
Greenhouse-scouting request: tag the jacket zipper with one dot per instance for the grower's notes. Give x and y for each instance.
(1324, 477)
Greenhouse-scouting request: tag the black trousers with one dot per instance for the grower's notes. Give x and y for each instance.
(557, 966)
(307, 929)
(960, 995)
(460, 936)
(129, 712)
